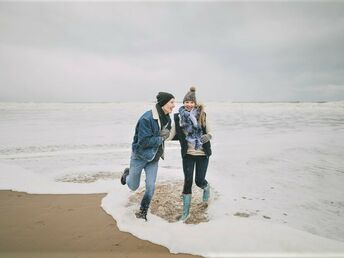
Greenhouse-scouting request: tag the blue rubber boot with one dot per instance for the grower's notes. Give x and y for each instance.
(206, 193)
(186, 207)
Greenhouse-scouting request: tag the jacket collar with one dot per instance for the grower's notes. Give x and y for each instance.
(156, 115)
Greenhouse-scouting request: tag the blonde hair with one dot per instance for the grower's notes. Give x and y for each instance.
(201, 118)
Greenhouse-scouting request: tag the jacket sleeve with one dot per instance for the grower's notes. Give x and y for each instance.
(146, 137)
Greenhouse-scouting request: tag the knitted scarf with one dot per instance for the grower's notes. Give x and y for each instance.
(188, 122)
(165, 121)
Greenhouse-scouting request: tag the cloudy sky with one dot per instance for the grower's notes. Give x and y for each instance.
(128, 51)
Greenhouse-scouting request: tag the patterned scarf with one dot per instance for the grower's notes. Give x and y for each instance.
(189, 123)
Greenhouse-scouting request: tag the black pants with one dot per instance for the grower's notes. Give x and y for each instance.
(189, 162)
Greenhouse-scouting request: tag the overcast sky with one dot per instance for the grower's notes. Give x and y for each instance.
(112, 51)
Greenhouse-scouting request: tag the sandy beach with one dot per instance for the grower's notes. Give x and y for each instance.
(35, 225)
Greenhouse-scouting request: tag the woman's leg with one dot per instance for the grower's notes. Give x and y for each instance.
(201, 171)
(188, 169)
(151, 170)
(135, 170)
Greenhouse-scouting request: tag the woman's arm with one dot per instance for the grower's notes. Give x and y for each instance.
(208, 128)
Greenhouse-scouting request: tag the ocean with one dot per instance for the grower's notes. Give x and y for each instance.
(276, 173)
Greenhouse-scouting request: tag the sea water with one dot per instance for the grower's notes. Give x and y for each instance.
(281, 165)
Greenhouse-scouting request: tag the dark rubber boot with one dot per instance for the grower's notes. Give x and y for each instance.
(142, 214)
(124, 176)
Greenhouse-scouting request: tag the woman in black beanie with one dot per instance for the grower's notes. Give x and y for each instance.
(152, 129)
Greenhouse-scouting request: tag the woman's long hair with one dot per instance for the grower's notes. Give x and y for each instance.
(201, 118)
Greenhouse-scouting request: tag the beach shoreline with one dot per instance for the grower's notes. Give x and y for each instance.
(66, 225)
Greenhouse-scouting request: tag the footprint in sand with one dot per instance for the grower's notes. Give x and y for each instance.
(242, 214)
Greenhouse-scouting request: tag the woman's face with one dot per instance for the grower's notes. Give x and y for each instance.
(169, 106)
(189, 105)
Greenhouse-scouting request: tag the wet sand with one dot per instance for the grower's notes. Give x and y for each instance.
(35, 225)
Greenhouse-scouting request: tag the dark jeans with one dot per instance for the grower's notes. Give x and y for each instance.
(189, 162)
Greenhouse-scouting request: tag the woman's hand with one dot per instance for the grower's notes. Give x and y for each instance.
(205, 138)
(164, 133)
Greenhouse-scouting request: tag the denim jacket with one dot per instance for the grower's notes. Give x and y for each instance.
(147, 135)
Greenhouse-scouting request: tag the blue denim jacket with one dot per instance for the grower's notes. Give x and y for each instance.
(147, 135)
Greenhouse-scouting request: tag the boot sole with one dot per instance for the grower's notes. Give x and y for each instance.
(124, 176)
(184, 220)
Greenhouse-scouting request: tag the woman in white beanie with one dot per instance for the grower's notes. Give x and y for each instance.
(192, 130)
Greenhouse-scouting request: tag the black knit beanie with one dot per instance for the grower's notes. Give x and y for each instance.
(163, 97)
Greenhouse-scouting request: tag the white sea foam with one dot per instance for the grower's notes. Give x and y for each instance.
(281, 164)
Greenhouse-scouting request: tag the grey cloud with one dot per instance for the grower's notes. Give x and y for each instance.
(230, 50)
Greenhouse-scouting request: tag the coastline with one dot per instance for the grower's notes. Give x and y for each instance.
(66, 225)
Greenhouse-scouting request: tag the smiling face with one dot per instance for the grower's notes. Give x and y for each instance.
(169, 106)
(189, 105)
